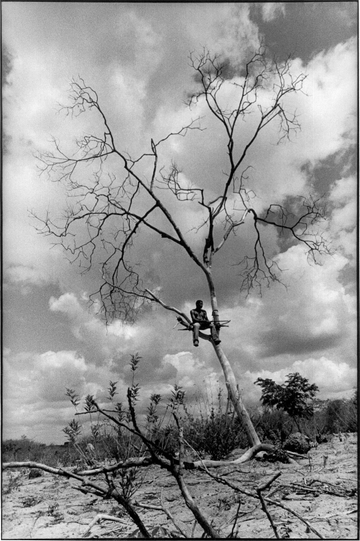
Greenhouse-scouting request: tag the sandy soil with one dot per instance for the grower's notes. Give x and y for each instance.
(322, 489)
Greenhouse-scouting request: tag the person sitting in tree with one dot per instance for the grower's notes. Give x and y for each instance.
(200, 321)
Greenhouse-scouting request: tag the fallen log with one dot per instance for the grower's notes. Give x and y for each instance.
(147, 461)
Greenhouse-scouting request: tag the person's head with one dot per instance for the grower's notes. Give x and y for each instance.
(199, 304)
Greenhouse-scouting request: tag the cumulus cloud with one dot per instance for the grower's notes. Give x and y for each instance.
(331, 77)
(138, 63)
(327, 71)
(328, 375)
(44, 375)
(271, 10)
(66, 303)
(36, 403)
(295, 326)
(36, 386)
(344, 216)
(100, 341)
(190, 370)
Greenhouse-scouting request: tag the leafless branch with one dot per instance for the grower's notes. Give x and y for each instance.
(171, 308)
(104, 207)
(301, 227)
(87, 486)
(259, 491)
(260, 75)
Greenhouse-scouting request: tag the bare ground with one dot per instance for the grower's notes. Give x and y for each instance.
(322, 489)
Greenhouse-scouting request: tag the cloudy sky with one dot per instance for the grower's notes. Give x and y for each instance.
(136, 56)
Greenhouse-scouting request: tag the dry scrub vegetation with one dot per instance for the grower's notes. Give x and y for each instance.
(170, 473)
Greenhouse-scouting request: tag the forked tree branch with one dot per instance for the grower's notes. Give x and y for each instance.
(260, 75)
(301, 229)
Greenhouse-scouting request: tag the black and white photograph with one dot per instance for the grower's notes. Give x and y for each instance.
(179, 257)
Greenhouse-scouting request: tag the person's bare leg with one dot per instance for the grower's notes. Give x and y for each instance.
(196, 334)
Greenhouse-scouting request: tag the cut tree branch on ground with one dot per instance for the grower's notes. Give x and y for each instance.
(267, 499)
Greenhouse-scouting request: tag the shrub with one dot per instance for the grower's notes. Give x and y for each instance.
(273, 426)
(217, 435)
(341, 416)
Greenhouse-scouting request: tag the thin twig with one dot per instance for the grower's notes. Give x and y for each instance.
(235, 519)
(259, 490)
(296, 515)
(102, 516)
(163, 509)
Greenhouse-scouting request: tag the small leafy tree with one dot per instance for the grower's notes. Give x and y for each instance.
(293, 396)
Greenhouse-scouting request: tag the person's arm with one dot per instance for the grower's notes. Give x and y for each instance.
(204, 316)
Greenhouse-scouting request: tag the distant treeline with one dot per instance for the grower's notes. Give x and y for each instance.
(26, 449)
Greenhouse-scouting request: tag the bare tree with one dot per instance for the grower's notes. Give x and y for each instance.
(108, 214)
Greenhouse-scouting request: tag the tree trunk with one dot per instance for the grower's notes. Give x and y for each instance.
(235, 396)
(229, 375)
